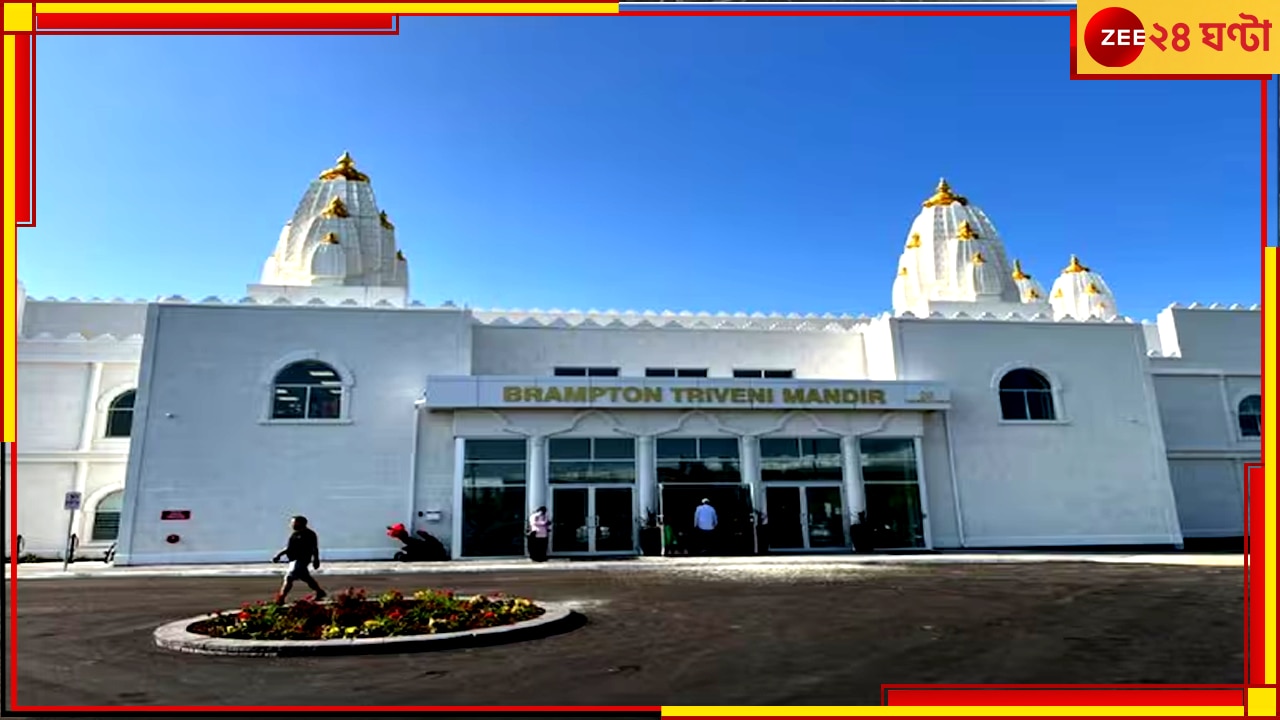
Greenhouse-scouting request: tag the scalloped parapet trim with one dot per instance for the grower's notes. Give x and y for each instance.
(1213, 306)
(668, 319)
(81, 337)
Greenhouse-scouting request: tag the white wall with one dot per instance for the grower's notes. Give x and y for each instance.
(41, 519)
(1210, 494)
(537, 351)
(201, 442)
(1199, 392)
(1096, 477)
(1223, 339)
(64, 387)
(51, 405)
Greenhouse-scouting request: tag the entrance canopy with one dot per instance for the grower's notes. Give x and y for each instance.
(462, 392)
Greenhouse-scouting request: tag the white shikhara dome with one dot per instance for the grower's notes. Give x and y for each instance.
(1080, 293)
(954, 254)
(338, 236)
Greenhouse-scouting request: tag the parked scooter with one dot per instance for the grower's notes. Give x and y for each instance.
(423, 548)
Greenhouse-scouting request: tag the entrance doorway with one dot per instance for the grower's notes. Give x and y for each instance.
(592, 520)
(735, 534)
(805, 517)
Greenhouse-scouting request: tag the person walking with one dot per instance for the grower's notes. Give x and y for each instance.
(303, 549)
(705, 521)
(539, 534)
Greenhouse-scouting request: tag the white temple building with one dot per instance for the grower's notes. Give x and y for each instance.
(984, 411)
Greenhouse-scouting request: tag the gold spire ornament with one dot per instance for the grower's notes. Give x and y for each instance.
(902, 272)
(943, 195)
(382, 218)
(1075, 266)
(330, 239)
(344, 170)
(914, 242)
(965, 231)
(1092, 289)
(1033, 294)
(978, 259)
(1058, 293)
(1017, 271)
(336, 208)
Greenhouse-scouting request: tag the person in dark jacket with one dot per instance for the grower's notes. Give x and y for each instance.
(302, 550)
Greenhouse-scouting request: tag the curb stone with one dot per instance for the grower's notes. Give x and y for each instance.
(556, 619)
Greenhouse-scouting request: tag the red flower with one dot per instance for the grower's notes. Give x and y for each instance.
(244, 615)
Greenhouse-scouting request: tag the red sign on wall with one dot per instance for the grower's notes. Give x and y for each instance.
(175, 514)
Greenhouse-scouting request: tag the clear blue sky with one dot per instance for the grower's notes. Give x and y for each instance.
(753, 164)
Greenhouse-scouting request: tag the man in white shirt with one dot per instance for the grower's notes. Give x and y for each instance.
(704, 525)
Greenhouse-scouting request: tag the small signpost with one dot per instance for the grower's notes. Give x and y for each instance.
(70, 503)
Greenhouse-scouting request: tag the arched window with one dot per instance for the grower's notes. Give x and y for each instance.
(106, 517)
(307, 390)
(1026, 395)
(1249, 414)
(120, 415)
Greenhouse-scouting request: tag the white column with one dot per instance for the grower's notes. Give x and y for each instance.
(459, 469)
(856, 499)
(88, 428)
(751, 469)
(646, 476)
(536, 492)
(88, 423)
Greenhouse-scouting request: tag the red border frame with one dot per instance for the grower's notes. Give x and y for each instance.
(899, 695)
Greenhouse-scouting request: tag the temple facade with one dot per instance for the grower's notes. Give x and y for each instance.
(983, 411)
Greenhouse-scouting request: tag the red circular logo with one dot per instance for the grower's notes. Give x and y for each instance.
(1114, 37)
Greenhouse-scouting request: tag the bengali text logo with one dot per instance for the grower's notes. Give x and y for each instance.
(1115, 37)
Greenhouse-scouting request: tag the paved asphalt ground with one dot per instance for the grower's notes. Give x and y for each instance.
(772, 635)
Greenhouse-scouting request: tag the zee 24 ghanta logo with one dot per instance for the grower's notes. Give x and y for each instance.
(1115, 37)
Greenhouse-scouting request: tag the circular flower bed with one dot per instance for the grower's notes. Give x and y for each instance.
(353, 615)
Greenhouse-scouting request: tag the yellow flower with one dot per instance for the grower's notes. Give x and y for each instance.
(351, 631)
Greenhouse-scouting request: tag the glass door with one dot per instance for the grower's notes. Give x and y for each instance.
(805, 517)
(785, 513)
(592, 520)
(614, 516)
(570, 520)
(824, 515)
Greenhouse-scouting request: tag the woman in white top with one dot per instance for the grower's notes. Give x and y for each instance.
(539, 534)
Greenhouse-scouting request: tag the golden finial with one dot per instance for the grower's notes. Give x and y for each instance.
(336, 208)
(330, 239)
(1075, 266)
(400, 256)
(902, 272)
(382, 218)
(965, 231)
(944, 196)
(1092, 289)
(978, 259)
(1017, 271)
(1058, 293)
(345, 169)
(914, 242)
